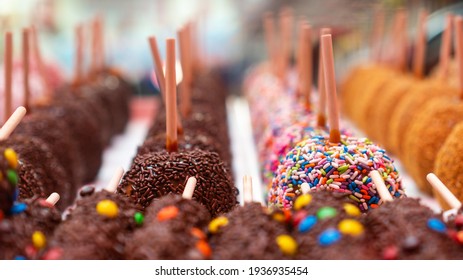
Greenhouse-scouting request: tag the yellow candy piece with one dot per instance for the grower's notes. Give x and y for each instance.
(217, 223)
(12, 158)
(302, 201)
(39, 240)
(352, 210)
(351, 227)
(287, 244)
(107, 208)
(279, 217)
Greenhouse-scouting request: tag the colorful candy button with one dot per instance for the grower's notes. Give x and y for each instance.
(12, 158)
(39, 240)
(436, 225)
(307, 224)
(329, 237)
(107, 208)
(167, 213)
(352, 210)
(302, 201)
(18, 208)
(326, 213)
(139, 218)
(287, 244)
(350, 227)
(217, 223)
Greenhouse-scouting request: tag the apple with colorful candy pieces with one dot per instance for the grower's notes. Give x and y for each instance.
(251, 232)
(173, 229)
(27, 228)
(98, 225)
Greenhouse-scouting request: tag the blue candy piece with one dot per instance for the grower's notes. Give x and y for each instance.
(329, 237)
(307, 224)
(18, 207)
(20, 258)
(437, 225)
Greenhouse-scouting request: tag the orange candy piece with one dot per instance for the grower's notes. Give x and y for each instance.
(204, 248)
(167, 213)
(196, 232)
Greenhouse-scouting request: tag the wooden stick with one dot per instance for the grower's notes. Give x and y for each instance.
(443, 191)
(53, 199)
(286, 25)
(39, 61)
(12, 122)
(307, 65)
(101, 42)
(26, 67)
(79, 57)
(269, 29)
(8, 74)
(171, 98)
(94, 53)
(377, 35)
(330, 84)
(189, 188)
(321, 118)
(380, 186)
(420, 46)
(446, 47)
(158, 66)
(115, 180)
(299, 57)
(459, 51)
(247, 189)
(402, 40)
(160, 76)
(185, 106)
(194, 46)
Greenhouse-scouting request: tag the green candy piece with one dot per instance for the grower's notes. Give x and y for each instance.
(326, 212)
(12, 177)
(139, 218)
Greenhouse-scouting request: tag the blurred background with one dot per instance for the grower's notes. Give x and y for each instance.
(230, 31)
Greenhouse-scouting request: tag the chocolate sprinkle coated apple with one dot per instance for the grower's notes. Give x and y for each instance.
(154, 175)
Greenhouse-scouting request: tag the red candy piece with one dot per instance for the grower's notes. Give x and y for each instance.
(30, 251)
(459, 221)
(1, 215)
(298, 217)
(390, 253)
(53, 254)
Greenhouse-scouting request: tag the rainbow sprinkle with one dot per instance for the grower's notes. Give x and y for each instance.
(342, 167)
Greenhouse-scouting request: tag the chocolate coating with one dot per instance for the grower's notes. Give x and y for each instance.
(163, 241)
(402, 225)
(191, 213)
(88, 235)
(58, 137)
(16, 231)
(84, 130)
(250, 235)
(7, 187)
(157, 174)
(40, 173)
(348, 247)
